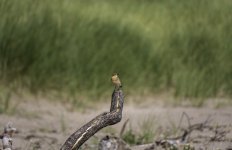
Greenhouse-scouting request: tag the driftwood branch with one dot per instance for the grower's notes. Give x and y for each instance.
(105, 119)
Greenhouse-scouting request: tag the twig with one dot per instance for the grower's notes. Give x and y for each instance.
(218, 134)
(182, 116)
(123, 128)
(187, 131)
(31, 136)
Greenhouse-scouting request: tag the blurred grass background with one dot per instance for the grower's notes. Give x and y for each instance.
(73, 46)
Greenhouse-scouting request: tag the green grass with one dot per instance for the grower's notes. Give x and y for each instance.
(74, 46)
(5, 100)
(146, 134)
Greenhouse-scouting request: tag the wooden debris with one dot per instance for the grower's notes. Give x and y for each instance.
(112, 143)
(7, 141)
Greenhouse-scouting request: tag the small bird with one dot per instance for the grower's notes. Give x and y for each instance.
(116, 81)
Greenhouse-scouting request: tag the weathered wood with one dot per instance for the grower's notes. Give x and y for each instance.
(105, 119)
(6, 137)
(116, 143)
(113, 143)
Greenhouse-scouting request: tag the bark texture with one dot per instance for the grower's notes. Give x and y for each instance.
(105, 119)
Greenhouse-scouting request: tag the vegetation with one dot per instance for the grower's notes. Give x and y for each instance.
(156, 45)
(5, 99)
(146, 133)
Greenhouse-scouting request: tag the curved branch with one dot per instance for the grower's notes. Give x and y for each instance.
(105, 119)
